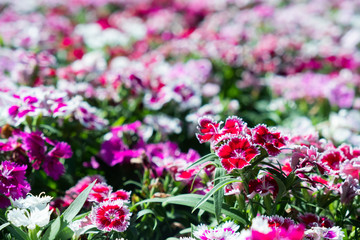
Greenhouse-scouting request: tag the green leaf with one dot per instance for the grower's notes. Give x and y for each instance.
(216, 188)
(144, 212)
(190, 200)
(66, 233)
(53, 230)
(282, 188)
(77, 204)
(4, 225)
(197, 174)
(207, 158)
(218, 195)
(17, 233)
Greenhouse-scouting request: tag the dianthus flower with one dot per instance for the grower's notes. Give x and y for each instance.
(271, 141)
(226, 231)
(74, 192)
(12, 182)
(237, 153)
(99, 192)
(111, 215)
(30, 212)
(208, 128)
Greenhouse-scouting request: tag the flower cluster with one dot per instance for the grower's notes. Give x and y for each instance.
(44, 101)
(31, 148)
(161, 158)
(236, 144)
(109, 211)
(116, 88)
(264, 227)
(30, 212)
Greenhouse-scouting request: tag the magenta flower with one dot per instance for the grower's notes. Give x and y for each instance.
(313, 220)
(227, 230)
(264, 228)
(111, 216)
(263, 186)
(271, 141)
(61, 150)
(53, 167)
(115, 151)
(34, 144)
(12, 182)
(237, 153)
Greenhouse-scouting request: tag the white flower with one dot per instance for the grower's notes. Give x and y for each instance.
(18, 217)
(30, 212)
(261, 225)
(29, 218)
(32, 202)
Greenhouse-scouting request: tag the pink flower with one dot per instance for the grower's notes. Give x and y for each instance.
(99, 192)
(349, 152)
(271, 141)
(83, 183)
(237, 153)
(350, 168)
(332, 159)
(120, 195)
(111, 215)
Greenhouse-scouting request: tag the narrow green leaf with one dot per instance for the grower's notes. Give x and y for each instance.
(197, 174)
(53, 230)
(218, 195)
(77, 204)
(66, 233)
(4, 225)
(17, 233)
(216, 188)
(144, 212)
(190, 200)
(207, 158)
(129, 182)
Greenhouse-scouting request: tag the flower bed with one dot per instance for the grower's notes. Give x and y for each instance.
(180, 119)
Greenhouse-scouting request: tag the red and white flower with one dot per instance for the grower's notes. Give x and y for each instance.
(208, 129)
(111, 216)
(100, 192)
(237, 153)
(271, 141)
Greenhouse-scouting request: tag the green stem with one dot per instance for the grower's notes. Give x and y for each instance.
(33, 233)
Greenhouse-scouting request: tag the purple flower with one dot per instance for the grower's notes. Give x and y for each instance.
(34, 144)
(342, 96)
(61, 150)
(53, 167)
(12, 182)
